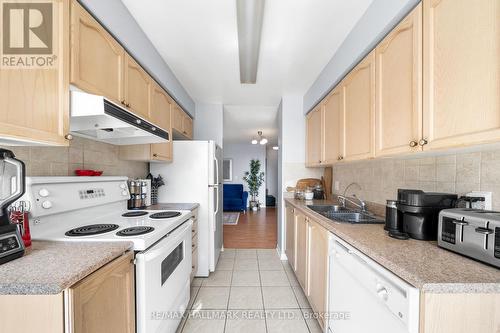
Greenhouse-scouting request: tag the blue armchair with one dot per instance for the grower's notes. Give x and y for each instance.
(235, 199)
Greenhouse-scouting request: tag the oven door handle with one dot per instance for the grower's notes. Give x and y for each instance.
(172, 238)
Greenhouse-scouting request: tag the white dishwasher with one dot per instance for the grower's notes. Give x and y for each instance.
(365, 297)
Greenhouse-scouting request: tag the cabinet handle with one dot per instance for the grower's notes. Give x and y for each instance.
(127, 105)
(155, 155)
(123, 102)
(340, 158)
(423, 142)
(413, 143)
(68, 137)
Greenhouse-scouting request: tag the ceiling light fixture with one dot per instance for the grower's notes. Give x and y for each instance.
(250, 15)
(261, 139)
(276, 148)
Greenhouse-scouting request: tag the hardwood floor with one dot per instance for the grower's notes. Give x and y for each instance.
(255, 230)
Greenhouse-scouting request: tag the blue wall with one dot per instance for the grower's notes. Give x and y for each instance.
(380, 17)
(117, 19)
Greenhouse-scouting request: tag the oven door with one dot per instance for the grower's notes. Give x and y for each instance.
(162, 282)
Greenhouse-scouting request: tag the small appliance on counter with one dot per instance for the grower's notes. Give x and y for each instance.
(471, 232)
(12, 187)
(420, 211)
(394, 221)
(140, 193)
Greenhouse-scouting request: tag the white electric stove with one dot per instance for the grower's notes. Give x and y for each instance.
(94, 209)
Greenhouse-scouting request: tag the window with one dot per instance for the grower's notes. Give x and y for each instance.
(227, 170)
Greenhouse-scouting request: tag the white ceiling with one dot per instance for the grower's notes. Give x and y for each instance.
(241, 123)
(198, 40)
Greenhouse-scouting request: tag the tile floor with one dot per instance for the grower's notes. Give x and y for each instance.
(251, 290)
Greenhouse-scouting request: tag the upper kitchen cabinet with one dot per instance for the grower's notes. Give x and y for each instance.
(161, 109)
(461, 72)
(137, 88)
(34, 98)
(182, 124)
(97, 59)
(160, 115)
(399, 88)
(314, 134)
(359, 110)
(333, 127)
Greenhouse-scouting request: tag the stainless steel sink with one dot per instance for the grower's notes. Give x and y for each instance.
(327, 209)
(345, 215)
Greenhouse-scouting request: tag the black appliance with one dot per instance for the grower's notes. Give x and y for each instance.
(394, 220)
(12, 187)
(420, 211)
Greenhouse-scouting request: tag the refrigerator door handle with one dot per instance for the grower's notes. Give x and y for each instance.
(216, 170)
(216, 188)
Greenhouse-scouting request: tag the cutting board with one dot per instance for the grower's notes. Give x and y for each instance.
(303, 184)
(328, 179)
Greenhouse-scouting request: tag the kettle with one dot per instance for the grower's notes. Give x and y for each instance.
(12, 187)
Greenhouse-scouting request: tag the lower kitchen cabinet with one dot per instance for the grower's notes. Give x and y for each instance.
(290, 235)
(301, 250)
(104, 301)
(317, 272)
(194, 244)
(463, 313)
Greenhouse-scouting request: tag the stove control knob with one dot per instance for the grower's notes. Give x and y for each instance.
(47, 204)
(123, 186)
(44, 192)
(124, 193)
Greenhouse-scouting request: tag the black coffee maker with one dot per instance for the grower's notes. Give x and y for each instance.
(420, 212)
(12, 187)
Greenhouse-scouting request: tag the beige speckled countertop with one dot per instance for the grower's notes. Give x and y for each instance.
(51, 267)
(421, 263)
(174, 206)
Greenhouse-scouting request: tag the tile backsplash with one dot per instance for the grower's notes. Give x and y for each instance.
(81, 154)
(452, 173)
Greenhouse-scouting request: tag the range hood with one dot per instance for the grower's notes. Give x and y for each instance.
(94, 117)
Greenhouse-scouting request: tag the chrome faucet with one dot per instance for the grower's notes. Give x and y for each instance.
(343, 199)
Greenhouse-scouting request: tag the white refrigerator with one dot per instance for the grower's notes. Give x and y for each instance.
(195, 175)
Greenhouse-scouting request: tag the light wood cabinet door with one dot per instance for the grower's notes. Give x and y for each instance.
(317, 273)
(464, 313)
(461, 72)
(104, 301)
(160, 116)
(359, 110)
(34, 102)
(177, 118)
(314, 137)
(138, 85)
(301, 250)
(333, 127)
(399, 88)
(188, 126)
(97, 59)
(290, 235)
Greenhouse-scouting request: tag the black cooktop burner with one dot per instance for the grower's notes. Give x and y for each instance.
(93, 229)
(135, 231)
(135, 213)
(164, 215)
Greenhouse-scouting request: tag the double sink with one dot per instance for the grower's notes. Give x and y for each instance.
(345, 215)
